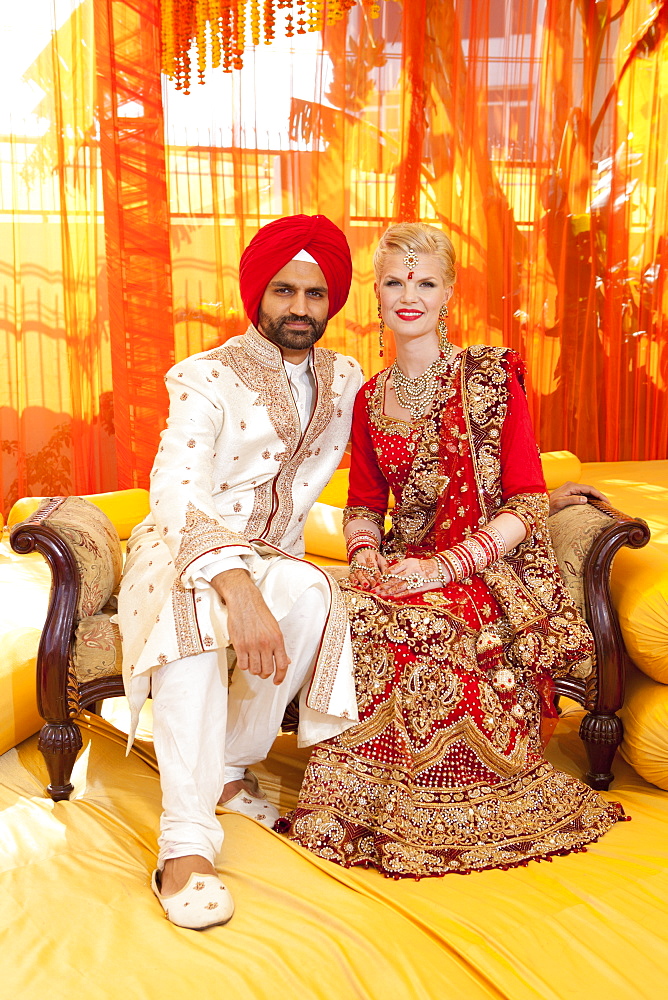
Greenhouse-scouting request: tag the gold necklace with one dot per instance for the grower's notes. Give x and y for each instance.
(417, 394)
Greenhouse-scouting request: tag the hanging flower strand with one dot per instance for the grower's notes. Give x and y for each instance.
(214, 32)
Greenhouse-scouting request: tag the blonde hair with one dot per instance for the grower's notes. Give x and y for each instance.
(421, 238)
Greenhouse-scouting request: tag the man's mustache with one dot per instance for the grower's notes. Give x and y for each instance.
(297, 319)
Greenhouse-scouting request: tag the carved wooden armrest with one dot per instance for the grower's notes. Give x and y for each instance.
(607, 694)
(56, 697)
(585, 551)
(83, 551)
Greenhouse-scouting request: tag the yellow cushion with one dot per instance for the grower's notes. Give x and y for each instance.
(19, 717)
(124, 508)
(323, 532)
(645, 718)
(560, 467)
(639, 579)
(639, 589)
(336, 492)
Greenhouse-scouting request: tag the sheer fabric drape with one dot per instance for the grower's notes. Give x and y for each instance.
(534, 133)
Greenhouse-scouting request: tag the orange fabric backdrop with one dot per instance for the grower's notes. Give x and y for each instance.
(534, 133)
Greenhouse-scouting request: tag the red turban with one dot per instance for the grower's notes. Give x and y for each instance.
(278, 242)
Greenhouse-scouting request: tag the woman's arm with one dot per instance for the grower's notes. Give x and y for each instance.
(368, 494)
(523, 495)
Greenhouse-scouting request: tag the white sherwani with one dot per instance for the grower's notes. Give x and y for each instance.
(236, 475)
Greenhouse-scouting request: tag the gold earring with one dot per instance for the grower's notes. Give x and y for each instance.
(442, 328)
(381, 328)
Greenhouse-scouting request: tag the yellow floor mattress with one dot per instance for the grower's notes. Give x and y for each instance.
(78, 918)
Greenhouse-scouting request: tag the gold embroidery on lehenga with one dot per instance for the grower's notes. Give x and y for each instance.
(526, 581)
(415, 512)
(444, 772)
(534, 813)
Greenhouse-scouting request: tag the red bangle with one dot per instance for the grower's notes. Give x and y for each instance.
(352, 552)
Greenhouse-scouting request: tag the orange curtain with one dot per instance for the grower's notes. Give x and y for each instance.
(534, 133)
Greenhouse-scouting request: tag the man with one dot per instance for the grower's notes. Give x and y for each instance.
(256, 428)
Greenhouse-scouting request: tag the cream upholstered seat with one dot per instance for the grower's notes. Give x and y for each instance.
(79, 658)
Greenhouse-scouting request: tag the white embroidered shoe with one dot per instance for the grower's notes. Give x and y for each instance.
(203, 902)
(252, 803)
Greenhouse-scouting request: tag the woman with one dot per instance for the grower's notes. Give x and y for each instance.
(458, 615)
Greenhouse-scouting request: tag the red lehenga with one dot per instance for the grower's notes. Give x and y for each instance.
(444, 772)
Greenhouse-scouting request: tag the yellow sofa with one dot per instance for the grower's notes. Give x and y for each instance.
(639, 588)
(25, 579)
(25, 582)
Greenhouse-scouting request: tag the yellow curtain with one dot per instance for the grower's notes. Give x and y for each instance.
(535, 134)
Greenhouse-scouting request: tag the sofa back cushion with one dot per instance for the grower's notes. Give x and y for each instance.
(124, 508)
(573, 531)
(96, 548)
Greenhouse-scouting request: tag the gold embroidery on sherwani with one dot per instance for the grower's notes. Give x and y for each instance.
(259, 365)
(202, 534)
(185, 620)
(333, 637)
(271, 386)
(323, 368)
(262, 501)
(329, 653)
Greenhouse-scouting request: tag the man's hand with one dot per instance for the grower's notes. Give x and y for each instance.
(572, 493)
(254, 632)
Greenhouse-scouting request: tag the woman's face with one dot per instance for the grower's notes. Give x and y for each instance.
(411, 299)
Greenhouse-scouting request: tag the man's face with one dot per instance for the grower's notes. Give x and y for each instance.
(294, 308)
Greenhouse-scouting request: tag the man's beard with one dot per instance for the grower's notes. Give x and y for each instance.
(292, 340)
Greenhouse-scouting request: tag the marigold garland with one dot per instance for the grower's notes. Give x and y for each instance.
(218, 29)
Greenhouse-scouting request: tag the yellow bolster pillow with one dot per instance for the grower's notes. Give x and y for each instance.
(323, 532)
(335, 493)
(645, 718)
(19, 717)
(124, 508)
(639, 589)
(560, 467)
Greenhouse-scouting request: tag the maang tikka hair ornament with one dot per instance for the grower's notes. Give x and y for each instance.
(411, 262)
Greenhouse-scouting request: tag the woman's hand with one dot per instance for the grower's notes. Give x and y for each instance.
(405, 577)
(373, 563)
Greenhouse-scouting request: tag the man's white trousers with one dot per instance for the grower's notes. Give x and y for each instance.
(204, 735)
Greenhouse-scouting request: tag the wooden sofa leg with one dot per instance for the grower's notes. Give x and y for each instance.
(601, 735)
(59, 744)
